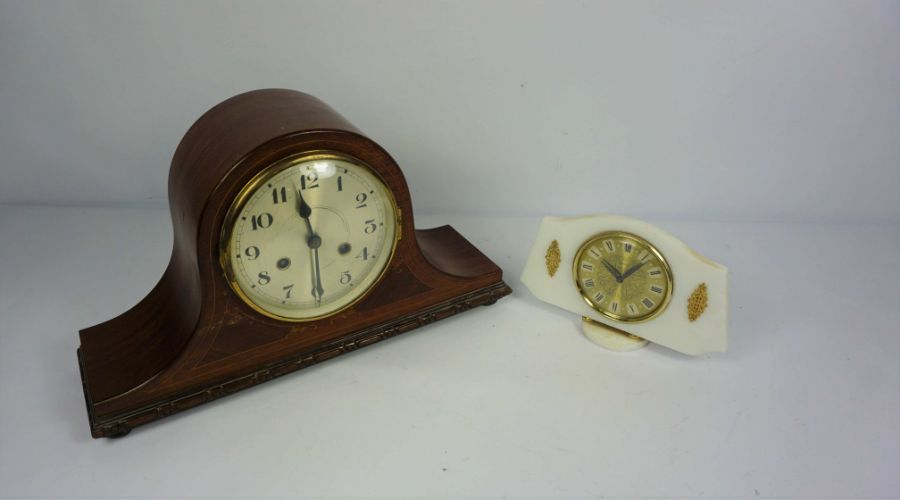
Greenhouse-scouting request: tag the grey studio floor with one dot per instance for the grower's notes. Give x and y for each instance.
(502, 401)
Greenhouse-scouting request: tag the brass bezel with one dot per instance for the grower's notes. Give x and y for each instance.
(263, 176)
(616, 317)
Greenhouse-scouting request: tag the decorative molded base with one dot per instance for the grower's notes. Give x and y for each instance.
(122, 424)
(609, 337)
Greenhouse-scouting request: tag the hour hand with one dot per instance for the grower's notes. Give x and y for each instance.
(304, 210)
(612, 270)
(302, 207)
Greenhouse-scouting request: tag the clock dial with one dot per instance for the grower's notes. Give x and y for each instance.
(623, 276)
(309, 236)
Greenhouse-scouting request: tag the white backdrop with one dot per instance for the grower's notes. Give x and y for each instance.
(765, 134)
(709, 110)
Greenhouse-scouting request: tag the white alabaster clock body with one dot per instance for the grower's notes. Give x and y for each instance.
(632, 282)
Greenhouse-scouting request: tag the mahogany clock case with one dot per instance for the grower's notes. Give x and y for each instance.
(192, 340)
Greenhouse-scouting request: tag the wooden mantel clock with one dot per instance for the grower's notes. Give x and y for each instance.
(294, 243)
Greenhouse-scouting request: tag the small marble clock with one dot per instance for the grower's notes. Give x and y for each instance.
(631, 282)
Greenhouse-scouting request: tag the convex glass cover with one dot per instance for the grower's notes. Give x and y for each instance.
(308, 236)
(623, 276)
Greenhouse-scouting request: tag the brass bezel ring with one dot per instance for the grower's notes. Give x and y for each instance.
(637, 239)
(262, 177)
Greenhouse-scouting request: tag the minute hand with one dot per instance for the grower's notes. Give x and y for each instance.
(313, 241)
(317, 291)
(631, 270)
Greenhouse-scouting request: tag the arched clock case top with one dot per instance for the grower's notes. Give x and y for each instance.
(193, 340)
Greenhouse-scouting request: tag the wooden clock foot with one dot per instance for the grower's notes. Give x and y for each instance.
(120, 433)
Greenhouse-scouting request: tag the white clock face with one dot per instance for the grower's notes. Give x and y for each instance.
(309, 236)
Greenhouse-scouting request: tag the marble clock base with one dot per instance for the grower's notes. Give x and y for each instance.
(609, 337)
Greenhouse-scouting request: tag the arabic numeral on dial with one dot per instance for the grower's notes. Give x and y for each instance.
(340, 183)
(264, 278)
(287, 290)
(279, 195)
(252, 253)
(364, 255)
(309, 181)
(370, 226)
(262, 220)
(346, 278)
(361, 200)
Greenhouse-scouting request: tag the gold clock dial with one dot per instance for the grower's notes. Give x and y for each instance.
(309, 236)
(623, 276)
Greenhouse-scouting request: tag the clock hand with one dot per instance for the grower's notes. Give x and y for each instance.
(318, 292)
(305, 211)
(319, 280)
(631, 270)
(314, 241)
(612, 270)
(312, 277)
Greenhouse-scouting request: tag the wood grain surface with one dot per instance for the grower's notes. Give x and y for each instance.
(192, 340)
